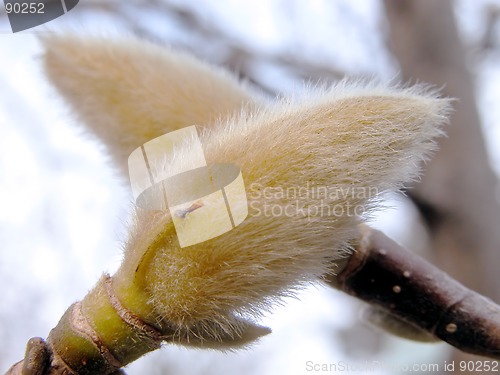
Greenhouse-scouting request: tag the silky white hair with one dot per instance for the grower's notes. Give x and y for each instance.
(351, 141)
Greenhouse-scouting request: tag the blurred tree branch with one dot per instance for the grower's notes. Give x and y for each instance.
(457, 194)
(488, 40)
(235, 55)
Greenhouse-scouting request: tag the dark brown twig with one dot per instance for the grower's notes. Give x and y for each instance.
(384, 274)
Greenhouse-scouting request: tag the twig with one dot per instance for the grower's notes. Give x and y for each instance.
(383, 273)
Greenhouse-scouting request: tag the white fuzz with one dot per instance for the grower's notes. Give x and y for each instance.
(128, 91)
(312, 166)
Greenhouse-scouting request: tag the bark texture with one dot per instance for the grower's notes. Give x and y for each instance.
(412, 290)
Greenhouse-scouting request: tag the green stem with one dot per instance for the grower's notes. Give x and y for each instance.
(98, 335)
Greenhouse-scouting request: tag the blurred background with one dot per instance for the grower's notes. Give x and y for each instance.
(64, 210)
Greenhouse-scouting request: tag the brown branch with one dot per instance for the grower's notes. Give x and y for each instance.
(384, 274)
